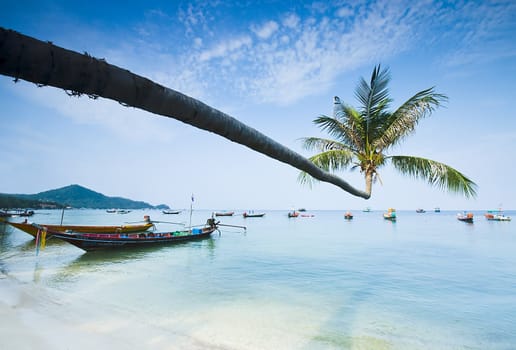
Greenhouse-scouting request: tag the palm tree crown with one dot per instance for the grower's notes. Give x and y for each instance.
(363, 136)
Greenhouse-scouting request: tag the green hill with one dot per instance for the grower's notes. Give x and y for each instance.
(8, 201)
(80, 197)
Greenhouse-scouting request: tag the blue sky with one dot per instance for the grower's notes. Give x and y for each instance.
(275, 65)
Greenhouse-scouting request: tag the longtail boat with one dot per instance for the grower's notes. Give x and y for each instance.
(32, 229)
(103, 241)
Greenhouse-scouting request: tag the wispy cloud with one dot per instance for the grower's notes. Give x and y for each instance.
(304, 51)
(479, 32)
(265, 31)
(297, 55)
(225, 48)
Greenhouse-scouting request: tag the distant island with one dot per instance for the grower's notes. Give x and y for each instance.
(74, 196)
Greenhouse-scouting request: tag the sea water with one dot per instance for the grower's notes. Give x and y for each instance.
(426, 281)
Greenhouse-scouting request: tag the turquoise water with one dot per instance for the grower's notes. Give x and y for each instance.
(426, 281)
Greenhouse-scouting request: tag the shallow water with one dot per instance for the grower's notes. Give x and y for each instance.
(426, 281)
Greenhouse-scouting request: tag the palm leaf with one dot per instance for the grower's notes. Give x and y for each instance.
(354, 131)
(437, 174)
(333, 159)
(405, 119)
(322, 145)
(374, 96)
(330, 160)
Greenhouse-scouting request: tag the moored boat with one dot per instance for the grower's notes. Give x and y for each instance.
(102, 241)
(170, 211)
(224, 213)
(293, 214)
(253, 215)
(32, 229)
(390, 215)
(16, 212)
(419, 210)
(465, 217)
(496, 215)
(348, 215)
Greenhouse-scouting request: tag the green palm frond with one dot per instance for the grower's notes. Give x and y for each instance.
(374, 96)
(330, 160)
(404, 120)
(435, 173)
(322, 145)
(355, 126)
(333, 160)
(305, 179)
(339, 130)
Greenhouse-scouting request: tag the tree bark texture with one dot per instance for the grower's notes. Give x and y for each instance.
(26, 58)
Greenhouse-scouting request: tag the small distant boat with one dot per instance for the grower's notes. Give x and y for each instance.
(123, 211)
(225, 213)
(301, 209)
(496, 215)
(293, 214)
(348, 215)
(465, 217)
(99, 241)
(169, 211)
(253, 215)
(16, 213)
(419, 210)
(367, 210)
(437, 209)
(390, 215)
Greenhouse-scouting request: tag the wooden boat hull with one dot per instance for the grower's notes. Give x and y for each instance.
(171, 211)
(229, 213)
(33, 230)
(93, 242)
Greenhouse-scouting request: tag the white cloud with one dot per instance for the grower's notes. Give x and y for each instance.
(307, 54)
(291, 20)
(344, 12)
(265, 31)
(225, 48)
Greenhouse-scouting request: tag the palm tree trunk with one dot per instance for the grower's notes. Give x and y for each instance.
(369, 183)
(26, 58)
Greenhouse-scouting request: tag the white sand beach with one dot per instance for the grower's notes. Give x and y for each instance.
(29, 319)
